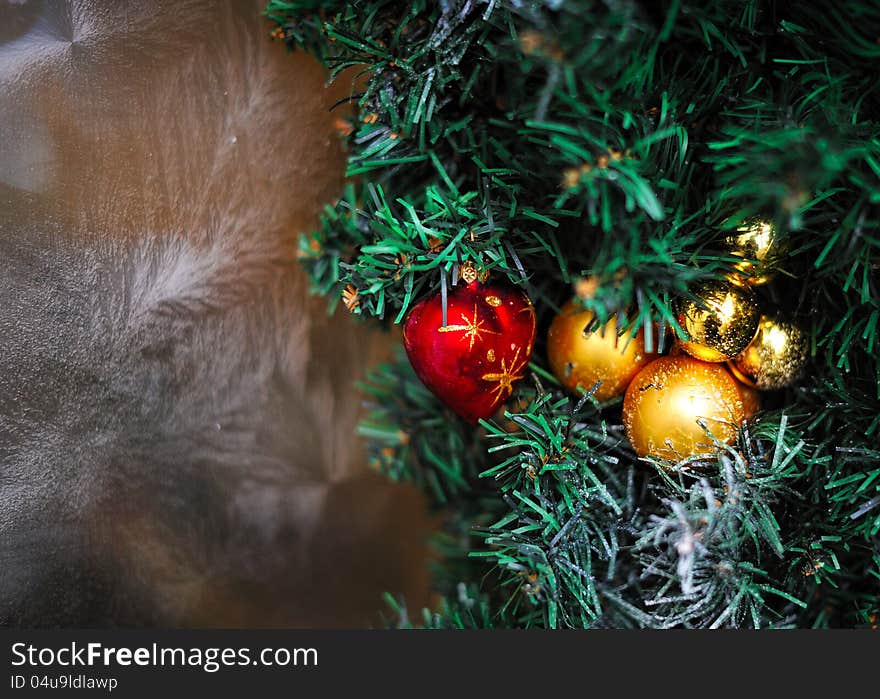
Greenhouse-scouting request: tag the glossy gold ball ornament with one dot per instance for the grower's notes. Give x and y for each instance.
(720, 322)
(774, 358)
(579, 359)
(668, 399)
(757, 243)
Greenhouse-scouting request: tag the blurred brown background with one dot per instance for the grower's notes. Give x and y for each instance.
(176, 412)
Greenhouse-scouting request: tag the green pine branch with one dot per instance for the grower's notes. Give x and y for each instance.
(548, 140)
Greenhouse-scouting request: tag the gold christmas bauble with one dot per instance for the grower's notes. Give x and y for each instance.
(720, 322)
(668, 399)
(774, 358)
(579, 359)
(756, 242)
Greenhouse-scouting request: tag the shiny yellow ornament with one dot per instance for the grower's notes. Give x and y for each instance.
(774, 358)
(668, 399)
(721, 323)
(757, 243)
(579, 359)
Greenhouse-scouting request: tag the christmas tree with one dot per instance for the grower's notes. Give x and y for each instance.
(682, 178)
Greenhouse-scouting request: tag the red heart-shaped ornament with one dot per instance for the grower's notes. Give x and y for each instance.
(473, 361)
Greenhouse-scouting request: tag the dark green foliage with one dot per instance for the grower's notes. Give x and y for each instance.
(411, 436)
(547, 140)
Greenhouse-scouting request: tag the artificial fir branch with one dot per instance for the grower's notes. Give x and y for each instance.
(548, 140)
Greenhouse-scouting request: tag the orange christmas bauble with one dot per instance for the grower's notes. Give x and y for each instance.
(669, 398)
(751, 399)
(580, 359)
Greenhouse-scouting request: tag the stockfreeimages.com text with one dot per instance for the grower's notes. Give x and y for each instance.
(209, 659)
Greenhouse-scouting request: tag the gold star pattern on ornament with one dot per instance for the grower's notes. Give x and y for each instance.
(507, 376)
(472, 328)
